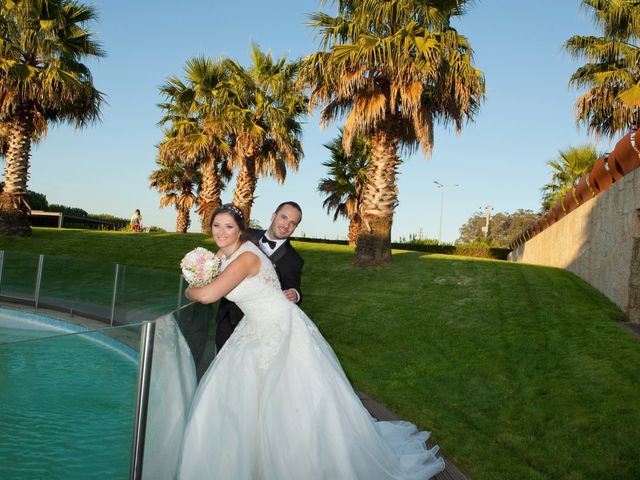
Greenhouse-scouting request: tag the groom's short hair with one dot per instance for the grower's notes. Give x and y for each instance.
(293, 204)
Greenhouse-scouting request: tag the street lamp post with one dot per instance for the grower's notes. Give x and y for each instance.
(442, 186)
(485, 229)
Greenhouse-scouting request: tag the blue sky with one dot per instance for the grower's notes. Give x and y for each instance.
(499, 160)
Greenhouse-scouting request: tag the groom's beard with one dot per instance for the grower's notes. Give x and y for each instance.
(273, 236)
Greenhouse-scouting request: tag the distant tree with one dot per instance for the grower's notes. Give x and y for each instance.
(344, 186)
(177, 183)
(74, 211)
(42, 81)
(471, 231)
(503, 228)
(120, 221)
(611, 74)
(572, 163)
(37, 201)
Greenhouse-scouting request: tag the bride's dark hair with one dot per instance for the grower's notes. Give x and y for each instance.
(237, 215)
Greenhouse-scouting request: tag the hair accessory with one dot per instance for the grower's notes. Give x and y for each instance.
(233, 208)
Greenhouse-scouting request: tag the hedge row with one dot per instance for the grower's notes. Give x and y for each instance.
(462, 250)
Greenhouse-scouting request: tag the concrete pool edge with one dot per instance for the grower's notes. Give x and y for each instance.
(125, 343)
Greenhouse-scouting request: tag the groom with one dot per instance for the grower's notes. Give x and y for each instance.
(274, 242)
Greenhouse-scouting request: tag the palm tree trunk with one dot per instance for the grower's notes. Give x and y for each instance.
(183, 221)
(354, 228)
(245, 188)
(210, 191)
(373, 245)
(13, 206)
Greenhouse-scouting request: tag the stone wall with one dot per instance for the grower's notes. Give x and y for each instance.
(599, 241)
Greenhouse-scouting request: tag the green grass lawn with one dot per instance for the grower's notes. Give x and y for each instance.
(519, 371)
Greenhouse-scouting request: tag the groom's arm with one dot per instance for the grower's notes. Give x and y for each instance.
(291, 273)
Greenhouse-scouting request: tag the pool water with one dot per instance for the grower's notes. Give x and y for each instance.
(67, 400)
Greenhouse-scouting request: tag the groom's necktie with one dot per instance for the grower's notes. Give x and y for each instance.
(271, 243)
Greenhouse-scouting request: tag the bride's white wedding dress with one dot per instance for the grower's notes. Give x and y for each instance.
(275, 404)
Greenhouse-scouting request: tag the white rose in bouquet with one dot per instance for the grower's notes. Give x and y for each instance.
(200, 266)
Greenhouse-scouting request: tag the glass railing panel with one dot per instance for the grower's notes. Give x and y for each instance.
(144, 294)
(115, 294)
(78, 285)
(19, 274)
(173, 383)
(197, 325)
(68, 404)
(26, 323)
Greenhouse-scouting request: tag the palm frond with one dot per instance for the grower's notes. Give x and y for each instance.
(611, 73)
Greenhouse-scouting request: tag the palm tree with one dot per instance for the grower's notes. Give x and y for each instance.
(611, 74)
(573, 163)
(266, 103)
(42, 80)
(176, 182)
(197, 134)
(394, 68)
(347, 177)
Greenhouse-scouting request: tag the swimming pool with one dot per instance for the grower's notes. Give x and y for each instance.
(67, 399)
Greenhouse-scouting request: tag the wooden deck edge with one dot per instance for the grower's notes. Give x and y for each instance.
(632, 328)
(379, 411)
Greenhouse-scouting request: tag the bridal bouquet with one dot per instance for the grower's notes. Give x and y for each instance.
(200, 266)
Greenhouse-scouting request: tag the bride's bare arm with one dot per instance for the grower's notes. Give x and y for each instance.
(246, 265)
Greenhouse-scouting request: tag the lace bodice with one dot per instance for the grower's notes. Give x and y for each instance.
(267, 312)
(260, 296)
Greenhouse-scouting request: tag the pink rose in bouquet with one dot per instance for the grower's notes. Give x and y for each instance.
(200, 266)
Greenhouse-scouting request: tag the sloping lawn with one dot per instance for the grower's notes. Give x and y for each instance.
(519, 371)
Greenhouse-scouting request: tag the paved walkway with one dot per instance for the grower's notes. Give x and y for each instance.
(632, 328)
(451, 472)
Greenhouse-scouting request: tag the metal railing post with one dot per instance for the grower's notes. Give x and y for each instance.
(38, 279)
(115, 291)
(1, 267)
(142, 402)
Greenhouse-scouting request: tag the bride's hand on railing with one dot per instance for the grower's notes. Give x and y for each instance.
(187, 293)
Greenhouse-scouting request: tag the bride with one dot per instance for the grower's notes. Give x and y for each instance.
(275, 403)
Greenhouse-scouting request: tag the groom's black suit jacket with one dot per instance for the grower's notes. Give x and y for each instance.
(288, 264)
